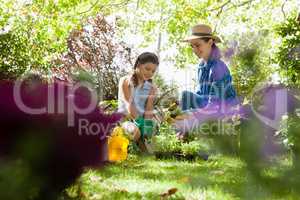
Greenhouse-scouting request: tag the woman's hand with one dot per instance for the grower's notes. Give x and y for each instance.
(184, 123)
(184, 116)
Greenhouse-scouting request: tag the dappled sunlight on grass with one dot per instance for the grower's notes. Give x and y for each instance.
(147, 175)
(144, 177)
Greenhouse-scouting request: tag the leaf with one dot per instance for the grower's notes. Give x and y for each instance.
(168, 193)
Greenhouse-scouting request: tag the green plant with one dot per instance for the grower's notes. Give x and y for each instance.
(166, 141)
(192, 148)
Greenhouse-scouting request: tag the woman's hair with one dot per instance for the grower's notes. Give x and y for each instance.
(146, 57)
(215, 51)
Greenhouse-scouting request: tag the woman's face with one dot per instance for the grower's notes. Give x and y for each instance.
(201, 48)
(147, 70)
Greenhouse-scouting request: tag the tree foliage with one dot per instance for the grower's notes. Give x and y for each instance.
(95, 53)
(34, 32)
(288, 55)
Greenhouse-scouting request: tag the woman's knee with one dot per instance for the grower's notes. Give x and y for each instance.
(186, 100)
(186, 94)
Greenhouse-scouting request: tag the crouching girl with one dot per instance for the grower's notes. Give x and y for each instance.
(136, 99)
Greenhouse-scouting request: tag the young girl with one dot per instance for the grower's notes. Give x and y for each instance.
(136, 98)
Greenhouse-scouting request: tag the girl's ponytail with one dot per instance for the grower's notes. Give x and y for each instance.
(134, 77)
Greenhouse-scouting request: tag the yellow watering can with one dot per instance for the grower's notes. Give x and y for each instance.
(117, 145)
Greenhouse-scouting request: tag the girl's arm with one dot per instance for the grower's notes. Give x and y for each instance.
(128, 99)
(150, 104)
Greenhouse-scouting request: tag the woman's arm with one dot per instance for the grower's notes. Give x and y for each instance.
(150, 103)
(129, 99)
(221, 88)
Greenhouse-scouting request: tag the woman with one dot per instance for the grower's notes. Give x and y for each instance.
(214, 89)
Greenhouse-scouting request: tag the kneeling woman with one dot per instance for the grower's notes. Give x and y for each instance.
(214, 88)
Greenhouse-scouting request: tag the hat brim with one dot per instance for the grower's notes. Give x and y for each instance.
(193, 37)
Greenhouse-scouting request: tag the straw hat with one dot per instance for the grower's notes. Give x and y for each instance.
(202, 31)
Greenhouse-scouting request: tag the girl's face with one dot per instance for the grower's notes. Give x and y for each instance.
(147, 70)
(201, 48)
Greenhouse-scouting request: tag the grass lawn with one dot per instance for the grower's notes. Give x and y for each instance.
(144, 177)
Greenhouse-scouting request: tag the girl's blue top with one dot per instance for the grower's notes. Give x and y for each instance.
(140, 96)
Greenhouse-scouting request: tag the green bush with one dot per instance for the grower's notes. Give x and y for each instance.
(166, 141)
(251, 63)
